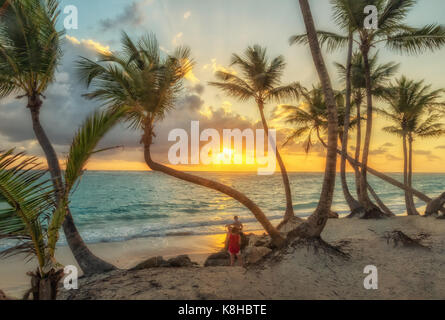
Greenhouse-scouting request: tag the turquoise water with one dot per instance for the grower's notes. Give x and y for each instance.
(117, 206)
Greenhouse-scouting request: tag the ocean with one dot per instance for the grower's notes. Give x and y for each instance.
(119, 206)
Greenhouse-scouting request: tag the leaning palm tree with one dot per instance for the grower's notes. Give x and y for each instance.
(310, 119)
(148, 83)
(29, 54)
(315, 224)
(411, 107)
(260, 82)
(34, 217)
(391, 32)
(380, 75)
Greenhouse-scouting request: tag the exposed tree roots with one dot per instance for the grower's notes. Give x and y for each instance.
(373, 213)
(399, 238)
(319, 245)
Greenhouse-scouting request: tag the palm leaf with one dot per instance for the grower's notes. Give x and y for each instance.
(28, 196)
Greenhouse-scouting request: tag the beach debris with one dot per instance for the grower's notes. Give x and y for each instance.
(398, 237)
(159, 262)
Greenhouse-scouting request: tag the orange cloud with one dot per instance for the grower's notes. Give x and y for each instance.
(94, 45)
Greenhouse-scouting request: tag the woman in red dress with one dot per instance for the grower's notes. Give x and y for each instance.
(234, 245)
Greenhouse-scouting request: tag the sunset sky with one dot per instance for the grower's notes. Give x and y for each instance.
(213, 30)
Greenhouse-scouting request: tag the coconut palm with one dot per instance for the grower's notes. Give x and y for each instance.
(311, 119)
(149, 83)
(29, 54)
(30, 201)
(411, 107)
(260, 81)
(32, 217)
(380, 75)
(315, 224)
(391, 32)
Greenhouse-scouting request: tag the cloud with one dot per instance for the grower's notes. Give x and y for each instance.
(177, 38)
(214, 67)
(427, 153)
(63, 111)
(388, 144)
(391, 157)
(132, 15)
(89, 43)
(187, 15)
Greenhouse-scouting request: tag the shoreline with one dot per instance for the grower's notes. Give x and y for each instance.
(305, 270)
(364, 240)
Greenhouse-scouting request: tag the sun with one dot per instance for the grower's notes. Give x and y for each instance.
(226, 156)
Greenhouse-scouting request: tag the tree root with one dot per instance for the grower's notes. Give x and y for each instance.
(319, 245)
(373, 213)
(398, 237)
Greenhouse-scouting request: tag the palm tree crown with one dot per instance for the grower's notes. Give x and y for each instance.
(414, 108)
(139, 78)
(29, 47)
(261, 77)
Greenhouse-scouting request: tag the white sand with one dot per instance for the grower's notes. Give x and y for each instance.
(14, 282)
(404, 273)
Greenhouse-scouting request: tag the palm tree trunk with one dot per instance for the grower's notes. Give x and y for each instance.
(277, 239)
(289, 206)
(46, 287)
(392, 181)
(353, 204)
(405, 174)
(413, 210)
(315, 224)
(88, 262)
(370, 208)
(358, 145)
(379, 201)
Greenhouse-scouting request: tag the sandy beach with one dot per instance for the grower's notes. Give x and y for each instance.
(14, 282)
(298, 273)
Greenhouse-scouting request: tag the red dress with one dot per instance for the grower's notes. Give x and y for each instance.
(234, 240)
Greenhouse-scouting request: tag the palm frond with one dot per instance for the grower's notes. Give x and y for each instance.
(419, 40)
(29, 196)
(332, 41)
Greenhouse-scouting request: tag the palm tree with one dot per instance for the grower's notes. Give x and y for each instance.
(410, 106)
(148, 83)
(311, 119)
(391, 32)
(29, 54)
(30, 203)
(260, 82)
(333, 42)
(380, 75)
(33, 218)
(315, 224)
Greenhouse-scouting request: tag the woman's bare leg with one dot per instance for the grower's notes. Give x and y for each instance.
(240, 258)
(232, 259)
